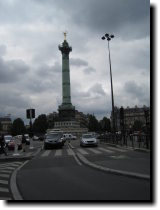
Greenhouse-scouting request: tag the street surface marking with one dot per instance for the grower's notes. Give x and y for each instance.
(82, 151)
(6, 167)
(58, 153)
(105, 150)
(28, 154)
(94, 151)
(46, 153)
(70, 152)
(4, 189)
(3, 182)
(5, 198)
(117, 149)
(11, 164)
(5, 175)
(6, 171)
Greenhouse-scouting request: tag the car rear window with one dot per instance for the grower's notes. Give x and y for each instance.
(87, 136)
(54, 135)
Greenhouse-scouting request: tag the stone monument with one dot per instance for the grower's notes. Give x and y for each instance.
(66, 120)
(66, 110)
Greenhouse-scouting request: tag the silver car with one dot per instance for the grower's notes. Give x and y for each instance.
(88, 140)
(53, 139)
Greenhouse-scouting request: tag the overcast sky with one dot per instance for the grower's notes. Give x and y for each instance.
(31, 64)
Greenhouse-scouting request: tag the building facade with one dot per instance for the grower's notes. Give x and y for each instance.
(131, 115)
(6, 125)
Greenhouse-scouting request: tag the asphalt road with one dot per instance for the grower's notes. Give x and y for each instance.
(58, 175)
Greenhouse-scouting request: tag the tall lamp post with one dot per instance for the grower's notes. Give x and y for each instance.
(108, 38)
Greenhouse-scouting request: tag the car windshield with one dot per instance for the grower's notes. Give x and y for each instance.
(53, 135)
(8, 137)
(87, 136)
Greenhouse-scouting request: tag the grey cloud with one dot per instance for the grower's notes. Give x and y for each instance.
(3, 50)
(13, 99)
(12, 71)
(137, 92)
(89, 70)
(97, 90)
(45, 70)
(78, 62)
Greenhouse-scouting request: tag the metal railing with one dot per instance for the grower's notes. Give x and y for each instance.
(132, 140)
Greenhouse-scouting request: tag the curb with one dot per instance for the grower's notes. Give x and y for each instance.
(113, 171)
(14, 188)
(134, 148)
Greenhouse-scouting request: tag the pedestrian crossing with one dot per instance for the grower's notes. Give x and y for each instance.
(82, 151)
(6, 169)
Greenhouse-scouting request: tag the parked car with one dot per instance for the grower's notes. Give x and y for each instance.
(88, 140)
(27, 139)
(7, 139)
(53, 139)
(11, 144)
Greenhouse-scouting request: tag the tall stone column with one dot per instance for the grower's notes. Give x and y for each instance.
(66, 110)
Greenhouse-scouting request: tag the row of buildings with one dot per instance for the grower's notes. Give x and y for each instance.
(130, 116)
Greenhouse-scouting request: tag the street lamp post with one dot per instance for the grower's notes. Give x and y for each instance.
(109, 37)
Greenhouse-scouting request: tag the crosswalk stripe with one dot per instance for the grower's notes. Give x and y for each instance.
(58, 153)
(5, 198)
(11, 164)
(105, 150)
(3, 182)
(46, 153)
(3, 167)
(70, 152)
(94, 151)
(82, 151)
(29, 153)
(4, 189)
(5, 175)
(117, 149)
(5, 171)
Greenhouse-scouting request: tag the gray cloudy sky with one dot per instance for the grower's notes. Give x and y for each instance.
(30, 62)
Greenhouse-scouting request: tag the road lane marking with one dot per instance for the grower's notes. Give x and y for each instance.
(28, 154)
(105, 150)
(94, 151)
(117, 149)
(46, 153)
(5, 171)
(4, 167)
(70, 152)
(5, 175)
(4, 189)
(58, 153)
(5, 198)
(82, 151)
(3, 181)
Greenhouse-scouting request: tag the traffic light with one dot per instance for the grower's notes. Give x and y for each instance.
(121, 113)
(30, 113)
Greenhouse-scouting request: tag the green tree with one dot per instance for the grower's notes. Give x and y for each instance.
(137, 125)
(40, 124)
(93, 124)
(18, 127)
(105, 124)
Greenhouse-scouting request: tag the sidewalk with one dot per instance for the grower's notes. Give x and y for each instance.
(20, 155)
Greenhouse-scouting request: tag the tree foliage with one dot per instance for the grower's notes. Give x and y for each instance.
(137, 125)
(40, 124)
(18, 127)
(105, 124)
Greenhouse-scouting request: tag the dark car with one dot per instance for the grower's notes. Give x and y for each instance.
(53, 139)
